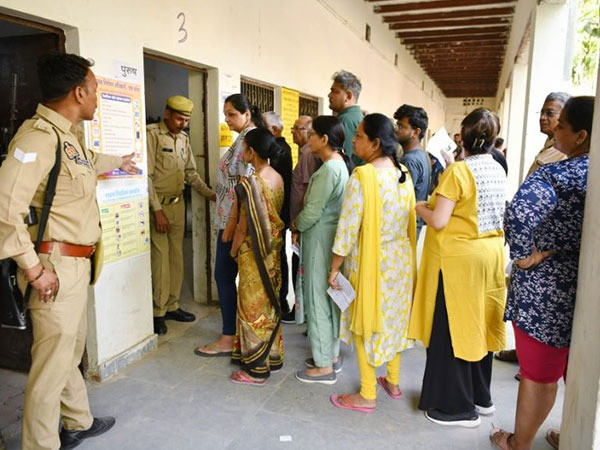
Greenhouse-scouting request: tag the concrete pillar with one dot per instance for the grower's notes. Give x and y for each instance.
(581, 409)
(546, 63)
(516, 118)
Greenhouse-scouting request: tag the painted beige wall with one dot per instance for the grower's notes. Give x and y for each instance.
(296, 43)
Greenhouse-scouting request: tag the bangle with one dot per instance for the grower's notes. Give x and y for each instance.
(38, 277)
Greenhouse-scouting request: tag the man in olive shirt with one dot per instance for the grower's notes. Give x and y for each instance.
(343, 96)
(170, 165)
(60, 274)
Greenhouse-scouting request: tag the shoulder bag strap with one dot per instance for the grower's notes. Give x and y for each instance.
(48, 199)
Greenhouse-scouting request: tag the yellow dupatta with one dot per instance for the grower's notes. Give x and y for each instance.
(365, 313)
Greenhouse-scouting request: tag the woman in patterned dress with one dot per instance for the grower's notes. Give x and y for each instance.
(241, 117)
(256, 246)
(375, 239)
(543, 228)
(460, 294)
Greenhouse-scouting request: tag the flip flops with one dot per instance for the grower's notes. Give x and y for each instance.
(241, 377)
(552, 436)
(215, 352)
(383, 383)
(499, 438)
(341, 401)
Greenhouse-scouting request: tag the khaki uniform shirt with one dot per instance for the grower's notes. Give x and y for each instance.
(74, 216)
(548, 154)
(170, 165)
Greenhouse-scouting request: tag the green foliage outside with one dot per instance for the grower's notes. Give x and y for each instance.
(585, 62)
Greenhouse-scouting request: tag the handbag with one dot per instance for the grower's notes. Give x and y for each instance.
(12, 302)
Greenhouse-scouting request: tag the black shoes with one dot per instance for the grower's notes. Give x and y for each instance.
(71, 439)
(289, 317)
(466, 420)
(160, 327)
(180, 316)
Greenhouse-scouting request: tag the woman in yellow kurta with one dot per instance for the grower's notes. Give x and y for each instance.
(460, 294)
(375, 238)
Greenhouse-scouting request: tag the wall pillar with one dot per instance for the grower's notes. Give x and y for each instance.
(581, 409)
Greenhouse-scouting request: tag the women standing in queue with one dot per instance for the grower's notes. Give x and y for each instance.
(258, 344)
(376, 239)
(317, 223)
(240, 117)
(543, 228)
(460, 295)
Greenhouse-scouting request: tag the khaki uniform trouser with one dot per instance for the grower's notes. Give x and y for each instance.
(55, 385)
(166, 256)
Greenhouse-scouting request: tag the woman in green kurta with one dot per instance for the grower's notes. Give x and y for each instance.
(317, 222)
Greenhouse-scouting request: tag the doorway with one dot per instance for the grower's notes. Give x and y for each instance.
(22, 42)
(165, 77)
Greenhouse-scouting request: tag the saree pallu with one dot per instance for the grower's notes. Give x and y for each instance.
(258, 343)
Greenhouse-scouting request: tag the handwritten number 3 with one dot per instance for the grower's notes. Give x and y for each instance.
(181, 29)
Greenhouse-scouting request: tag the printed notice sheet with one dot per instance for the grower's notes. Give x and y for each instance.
(342, 297)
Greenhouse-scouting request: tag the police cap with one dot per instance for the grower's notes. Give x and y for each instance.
(180, 104)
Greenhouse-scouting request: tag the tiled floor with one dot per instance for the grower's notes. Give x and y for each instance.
(173, 399)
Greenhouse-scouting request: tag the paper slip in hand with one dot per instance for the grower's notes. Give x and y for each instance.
(342, 297)
(296, 249)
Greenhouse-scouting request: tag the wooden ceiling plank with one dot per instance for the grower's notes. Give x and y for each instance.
(455, 31)
(436, 4)
(451, 45)
(453, 39)
(450, 23)
(488, 12)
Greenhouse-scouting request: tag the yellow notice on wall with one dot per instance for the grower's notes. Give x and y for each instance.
(290, 110)
(125, 229)
(225, 135)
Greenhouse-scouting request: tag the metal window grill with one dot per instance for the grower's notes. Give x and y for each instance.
(309, 106)
(259, 95)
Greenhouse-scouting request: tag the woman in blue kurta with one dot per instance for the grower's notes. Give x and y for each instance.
(543, 228)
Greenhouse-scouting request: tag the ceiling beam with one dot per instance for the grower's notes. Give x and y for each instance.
(419, 6)
(450, 23)
(488, 49)
(509, 11)
(451, 45)
(454, 39)
(454, 32)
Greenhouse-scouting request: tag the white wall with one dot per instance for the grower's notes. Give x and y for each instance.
(296, 43)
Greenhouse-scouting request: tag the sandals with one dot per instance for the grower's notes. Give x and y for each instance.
(507, 356)
(241, 377)
(552, 436)
(213, 351)
(382, 381)
(341, 401)
(499, 438)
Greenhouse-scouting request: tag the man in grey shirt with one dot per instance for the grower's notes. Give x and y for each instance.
(411, 125)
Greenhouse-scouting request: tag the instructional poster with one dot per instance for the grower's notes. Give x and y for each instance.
(290, 109)
(116, 128)
(125, 227)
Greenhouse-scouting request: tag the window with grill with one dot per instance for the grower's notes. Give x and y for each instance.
(258, 94)
(309, 106)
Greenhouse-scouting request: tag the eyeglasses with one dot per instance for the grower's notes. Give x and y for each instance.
(298, 128)
(549, 113)
(311, 133)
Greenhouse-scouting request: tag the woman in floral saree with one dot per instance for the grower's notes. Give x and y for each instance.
(258, 343)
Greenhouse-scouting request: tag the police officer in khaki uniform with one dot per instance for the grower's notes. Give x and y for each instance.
(60, 273)
(170, 165)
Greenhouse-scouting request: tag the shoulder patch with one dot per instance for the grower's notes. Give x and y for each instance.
(41, 124)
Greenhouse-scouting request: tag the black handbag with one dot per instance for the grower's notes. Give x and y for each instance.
(12, 302)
